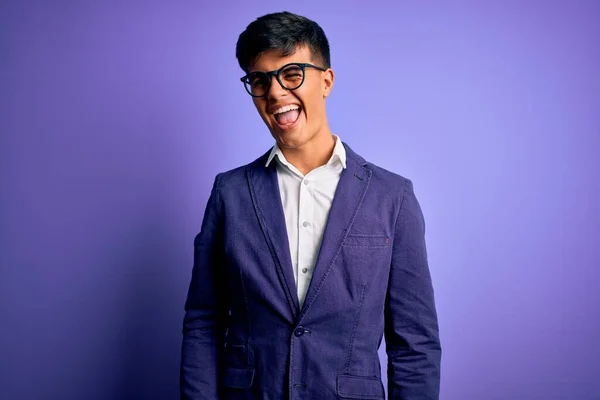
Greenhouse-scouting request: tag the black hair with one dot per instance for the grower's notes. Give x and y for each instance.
(283, 32)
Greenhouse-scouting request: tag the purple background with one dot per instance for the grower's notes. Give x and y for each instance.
(114, 119)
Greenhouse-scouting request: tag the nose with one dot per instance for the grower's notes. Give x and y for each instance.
(276, 90)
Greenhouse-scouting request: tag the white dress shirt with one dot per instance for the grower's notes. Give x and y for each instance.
(306, 203)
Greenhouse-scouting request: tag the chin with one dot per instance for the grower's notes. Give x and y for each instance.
(294, 140)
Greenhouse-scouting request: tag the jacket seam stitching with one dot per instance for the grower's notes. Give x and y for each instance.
(318, 288)
(359, 312)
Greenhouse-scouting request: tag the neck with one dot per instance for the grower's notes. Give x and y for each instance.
(311, 155)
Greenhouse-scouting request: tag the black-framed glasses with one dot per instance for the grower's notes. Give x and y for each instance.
(290, 77)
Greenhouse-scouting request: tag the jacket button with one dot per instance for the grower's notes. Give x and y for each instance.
(299, 331)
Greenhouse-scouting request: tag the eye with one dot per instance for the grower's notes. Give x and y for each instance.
(292, 73)
(257, 79)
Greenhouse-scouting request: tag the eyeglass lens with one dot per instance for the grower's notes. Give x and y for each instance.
(290, 77)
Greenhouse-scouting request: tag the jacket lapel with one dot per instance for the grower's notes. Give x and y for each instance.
(349, 194)
(264, 190)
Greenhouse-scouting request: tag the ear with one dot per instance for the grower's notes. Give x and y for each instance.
(328, 78)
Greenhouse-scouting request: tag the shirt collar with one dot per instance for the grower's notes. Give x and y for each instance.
(339, 153)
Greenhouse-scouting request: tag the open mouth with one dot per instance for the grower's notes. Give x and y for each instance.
(287, 116)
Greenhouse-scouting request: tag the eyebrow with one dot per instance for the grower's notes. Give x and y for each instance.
(291, 62)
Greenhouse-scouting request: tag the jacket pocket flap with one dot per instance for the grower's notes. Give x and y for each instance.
(359, 387)
(358, 240)
(238, 378)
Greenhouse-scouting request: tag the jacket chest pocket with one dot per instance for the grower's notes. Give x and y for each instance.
(361, 241)
(366, 251)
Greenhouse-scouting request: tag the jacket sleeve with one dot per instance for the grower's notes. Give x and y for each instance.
(205, 308)
(411, 326)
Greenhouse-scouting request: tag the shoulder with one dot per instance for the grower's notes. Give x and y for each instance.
(233, 178)
(394, 186)
(380, 177)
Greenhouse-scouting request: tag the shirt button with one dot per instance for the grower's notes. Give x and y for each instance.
(299, 331)
(304, 270)
(305, 182)
(305, 224)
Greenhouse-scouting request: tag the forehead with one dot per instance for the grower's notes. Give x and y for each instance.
(272, 59)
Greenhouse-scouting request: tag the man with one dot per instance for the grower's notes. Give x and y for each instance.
(309, 255)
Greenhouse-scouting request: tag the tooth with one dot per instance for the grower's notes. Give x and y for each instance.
(286, 109)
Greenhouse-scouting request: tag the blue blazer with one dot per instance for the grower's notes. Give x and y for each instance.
(244, 334)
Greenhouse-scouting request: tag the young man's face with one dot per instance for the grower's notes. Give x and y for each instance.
(306, 121)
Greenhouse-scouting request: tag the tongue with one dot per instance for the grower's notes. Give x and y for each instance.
(288, 117)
